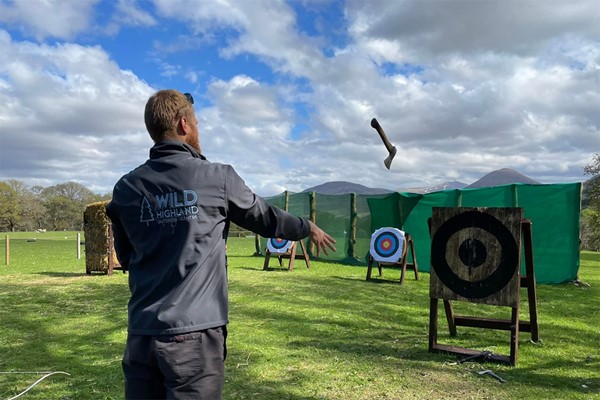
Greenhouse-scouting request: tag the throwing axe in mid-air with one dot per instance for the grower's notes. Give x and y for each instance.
(391, 149)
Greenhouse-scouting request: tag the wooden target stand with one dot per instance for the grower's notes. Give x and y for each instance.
(402, 262)
(289, 254)
(476, 257)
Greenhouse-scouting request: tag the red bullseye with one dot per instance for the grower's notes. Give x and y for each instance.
(387, 244)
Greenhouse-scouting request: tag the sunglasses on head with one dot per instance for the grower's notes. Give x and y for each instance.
(189, 98)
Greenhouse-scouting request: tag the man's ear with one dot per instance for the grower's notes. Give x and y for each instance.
(182, 126)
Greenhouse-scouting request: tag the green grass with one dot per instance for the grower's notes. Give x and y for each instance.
(318, 333)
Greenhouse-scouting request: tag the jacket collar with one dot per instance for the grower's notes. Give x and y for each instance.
(172, 147)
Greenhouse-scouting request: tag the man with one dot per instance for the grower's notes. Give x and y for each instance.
(170, 218)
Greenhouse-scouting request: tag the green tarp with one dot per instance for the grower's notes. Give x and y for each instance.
(553, 209)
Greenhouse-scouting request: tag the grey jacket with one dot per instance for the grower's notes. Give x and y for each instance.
(170, 218)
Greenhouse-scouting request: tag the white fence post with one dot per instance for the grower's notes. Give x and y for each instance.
(78, 246)
(7, 249)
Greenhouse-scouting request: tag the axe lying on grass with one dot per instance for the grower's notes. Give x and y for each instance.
(391, 149)
(492, 374)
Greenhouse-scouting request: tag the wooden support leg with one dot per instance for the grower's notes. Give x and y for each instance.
(514, 336)
(292, 256)
(266, 265)
(414, 259)
(369, 268)
(530, 281)
(403, 264)
(305, 254)
(409, 247)
(433, 311)
(450, 317)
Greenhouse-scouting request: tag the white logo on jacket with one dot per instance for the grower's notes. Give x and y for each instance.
(170, 207)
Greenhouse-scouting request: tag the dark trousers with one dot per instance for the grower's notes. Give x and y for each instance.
(185, 366)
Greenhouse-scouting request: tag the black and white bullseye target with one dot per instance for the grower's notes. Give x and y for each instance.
(387, 244)
(275, 245)
(476, 254)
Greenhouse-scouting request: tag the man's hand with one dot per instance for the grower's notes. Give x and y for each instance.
(321, 239)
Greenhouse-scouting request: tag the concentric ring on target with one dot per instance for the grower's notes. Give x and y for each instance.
(503, 272)
(276, 245)
(387, 244)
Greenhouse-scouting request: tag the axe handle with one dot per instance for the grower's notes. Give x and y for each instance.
(379, 129)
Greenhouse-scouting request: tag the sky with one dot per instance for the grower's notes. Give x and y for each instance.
(285, 90)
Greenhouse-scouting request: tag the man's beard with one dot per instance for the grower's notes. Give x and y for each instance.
(194, 142)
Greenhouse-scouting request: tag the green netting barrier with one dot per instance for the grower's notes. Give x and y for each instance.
(554, 211)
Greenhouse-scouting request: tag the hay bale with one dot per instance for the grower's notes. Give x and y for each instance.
(98, 246)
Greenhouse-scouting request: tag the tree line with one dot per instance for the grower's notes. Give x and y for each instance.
(590, 215)
(54, 208)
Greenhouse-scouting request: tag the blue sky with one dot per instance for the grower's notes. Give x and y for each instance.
(285, 91)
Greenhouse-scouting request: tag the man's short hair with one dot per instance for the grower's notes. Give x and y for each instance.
(162, 113)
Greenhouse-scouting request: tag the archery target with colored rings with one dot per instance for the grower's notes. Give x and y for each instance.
(387, 244)
(275, 245)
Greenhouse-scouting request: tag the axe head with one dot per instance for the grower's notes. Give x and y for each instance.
(388, 160)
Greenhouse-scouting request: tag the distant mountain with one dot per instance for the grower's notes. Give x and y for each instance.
(343, 187)
(504, 176)
(436, 188)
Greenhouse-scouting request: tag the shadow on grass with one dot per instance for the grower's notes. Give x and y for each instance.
(242, 382)
(348, 317)
(78, 328)
(348, 261)
(589, 257)
(587, 383)
(269, 269)
(62, 274)
(374, 280)
(341, 318)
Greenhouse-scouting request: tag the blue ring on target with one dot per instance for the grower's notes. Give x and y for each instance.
(387, 244)
(276, 245)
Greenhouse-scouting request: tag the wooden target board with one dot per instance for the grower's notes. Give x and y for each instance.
(476, 255)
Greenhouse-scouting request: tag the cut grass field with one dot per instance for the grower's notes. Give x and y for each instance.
(318, 333)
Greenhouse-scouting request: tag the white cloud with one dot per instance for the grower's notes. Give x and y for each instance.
(266, 29)
(461, 88)
(48, 18)
(129, 12)
(427, 30)
(244, 100)
(452, 82)
(68, 112)
(482, 125)
(248, 126)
